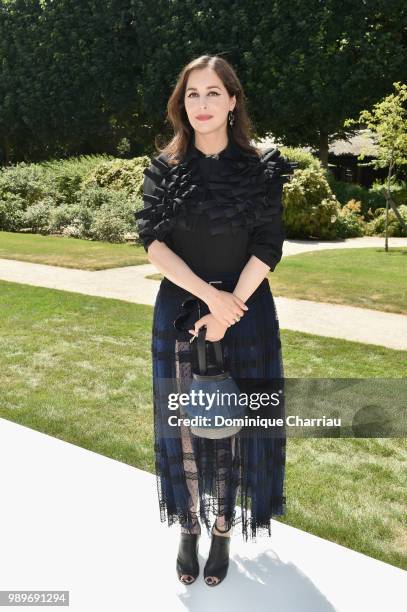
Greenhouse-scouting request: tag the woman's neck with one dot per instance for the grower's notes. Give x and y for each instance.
(211, 144)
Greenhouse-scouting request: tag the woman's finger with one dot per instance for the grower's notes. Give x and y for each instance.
(200, 322)
(236, 309)
(240, 312)
(222, 319)
(240, 302)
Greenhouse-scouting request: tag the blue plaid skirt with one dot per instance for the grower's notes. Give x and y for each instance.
(241, 477)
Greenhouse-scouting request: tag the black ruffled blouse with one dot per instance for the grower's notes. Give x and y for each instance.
(216, 211)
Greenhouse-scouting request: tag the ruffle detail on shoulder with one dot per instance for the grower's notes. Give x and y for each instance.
(173, 190)
(278, 170)
(235, 193)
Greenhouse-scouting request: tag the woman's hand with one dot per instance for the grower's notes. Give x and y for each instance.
(214, 330)
(226, 307)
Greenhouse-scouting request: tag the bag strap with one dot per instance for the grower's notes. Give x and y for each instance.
(201, 348)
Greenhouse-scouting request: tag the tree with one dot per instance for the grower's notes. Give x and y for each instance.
(388, 122)
(320, 62)
(79, 77)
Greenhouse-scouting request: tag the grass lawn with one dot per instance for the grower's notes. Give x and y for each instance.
(69, 252)
(78, 368)
(368, 278)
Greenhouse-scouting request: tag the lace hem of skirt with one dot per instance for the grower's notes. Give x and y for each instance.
(251, 528)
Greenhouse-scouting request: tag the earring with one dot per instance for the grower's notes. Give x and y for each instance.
(231, 118)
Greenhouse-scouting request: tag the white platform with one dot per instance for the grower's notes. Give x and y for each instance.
(71, 519)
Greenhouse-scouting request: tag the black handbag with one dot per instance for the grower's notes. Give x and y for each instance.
(213, 381)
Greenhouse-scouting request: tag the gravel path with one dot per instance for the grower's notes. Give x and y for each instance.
(321, 318)
(293, 247)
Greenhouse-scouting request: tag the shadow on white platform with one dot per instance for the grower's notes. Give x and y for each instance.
(71, 519)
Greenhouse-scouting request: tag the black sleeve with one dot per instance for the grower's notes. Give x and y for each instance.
(268, 234)
(266, 241)
(149, 218)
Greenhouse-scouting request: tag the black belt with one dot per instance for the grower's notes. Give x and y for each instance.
(171, 288)
(193, 308)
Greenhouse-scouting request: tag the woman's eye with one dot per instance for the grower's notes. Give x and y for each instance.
(193, 93)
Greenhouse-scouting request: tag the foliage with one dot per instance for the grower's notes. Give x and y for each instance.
(377, 226)
(310, 208)
(68, 175)
(119, 174)
(350, 222)
(388, 121)
(398, 190)
(89, 77)
(36, 216)
(12, 208)
(369, 198)
(88, 197)
(113, 220)
(95, 197)
(30, 182)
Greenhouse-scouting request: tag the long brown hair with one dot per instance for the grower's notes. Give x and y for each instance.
(241, 130)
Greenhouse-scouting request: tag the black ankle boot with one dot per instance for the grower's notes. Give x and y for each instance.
(187, 559)
(218, 560)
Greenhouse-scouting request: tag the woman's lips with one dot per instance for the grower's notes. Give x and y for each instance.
(204, 117)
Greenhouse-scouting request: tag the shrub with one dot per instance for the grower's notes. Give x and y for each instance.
(344, 192)
(74, 230)
(376, 227)
(114, 219)
(65, 195)
(60, 217)
(119, 174)
(11, 212)
(71, 220)
(36, 217)
(310, 208)
(303, 158)
(67, 175)
(350, 223)
(28, 181)
(93, 197)
(398, 191)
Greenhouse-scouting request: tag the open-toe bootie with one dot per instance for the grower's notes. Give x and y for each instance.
(218, 560)
(187, 559)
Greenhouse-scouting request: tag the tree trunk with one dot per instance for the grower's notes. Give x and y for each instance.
(399, 217)
(323, 148)
(6, 151)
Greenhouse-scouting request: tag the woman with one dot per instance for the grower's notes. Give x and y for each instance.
(212, 224)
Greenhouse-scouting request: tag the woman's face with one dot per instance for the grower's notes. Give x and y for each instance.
(207, 102)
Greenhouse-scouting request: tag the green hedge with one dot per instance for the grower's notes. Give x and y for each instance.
(94, 197)
(310, 207)
(91, 197)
